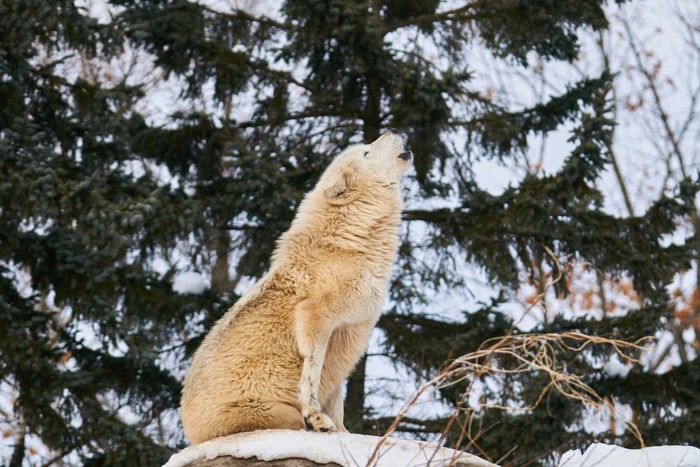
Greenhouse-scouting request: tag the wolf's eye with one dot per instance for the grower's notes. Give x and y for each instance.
(365, 154)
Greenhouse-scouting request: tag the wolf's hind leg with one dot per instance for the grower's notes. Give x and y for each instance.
(334, 408)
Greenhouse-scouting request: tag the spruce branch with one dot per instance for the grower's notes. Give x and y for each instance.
(461, 14)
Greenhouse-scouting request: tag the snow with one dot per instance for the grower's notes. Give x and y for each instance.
(614, 367)
(604, 455)
(351, 450)
(190, 282)
(346, 449)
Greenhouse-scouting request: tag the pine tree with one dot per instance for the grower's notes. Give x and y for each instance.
(84, 317)
(87, 220)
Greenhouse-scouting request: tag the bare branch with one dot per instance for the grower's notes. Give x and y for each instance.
(526, 353)
(611, 152)
(663, 115)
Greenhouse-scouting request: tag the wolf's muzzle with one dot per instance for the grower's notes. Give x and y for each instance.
(406, 155)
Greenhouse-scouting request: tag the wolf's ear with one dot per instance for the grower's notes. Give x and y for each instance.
(343, 190)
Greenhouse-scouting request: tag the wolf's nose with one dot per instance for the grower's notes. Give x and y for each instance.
(406, 155)
(394, 131)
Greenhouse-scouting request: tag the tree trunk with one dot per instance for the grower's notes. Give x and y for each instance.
(355, 398)
(355, 390)
(18, 453)
(220, 279)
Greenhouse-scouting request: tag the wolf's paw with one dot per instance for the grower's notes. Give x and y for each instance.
(319, 421)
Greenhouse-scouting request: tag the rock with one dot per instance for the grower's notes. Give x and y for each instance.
(289, 448)
(228, 461)
(605, 455)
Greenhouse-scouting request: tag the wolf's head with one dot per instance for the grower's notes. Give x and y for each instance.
(382, 163)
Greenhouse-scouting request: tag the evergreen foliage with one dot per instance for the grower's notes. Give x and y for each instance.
(101, 206)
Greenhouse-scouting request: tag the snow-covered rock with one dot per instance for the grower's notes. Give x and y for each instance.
(605, 455)
(345, 449)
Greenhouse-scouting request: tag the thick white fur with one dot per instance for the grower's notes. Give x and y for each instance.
(278, 357)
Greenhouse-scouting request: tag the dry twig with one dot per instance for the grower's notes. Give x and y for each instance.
(525, 353)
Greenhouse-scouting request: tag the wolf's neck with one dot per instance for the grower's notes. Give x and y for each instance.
(368, 227)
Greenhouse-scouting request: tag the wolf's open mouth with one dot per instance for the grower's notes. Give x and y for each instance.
(406, 155)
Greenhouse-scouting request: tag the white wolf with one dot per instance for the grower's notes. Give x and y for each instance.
(279, 356)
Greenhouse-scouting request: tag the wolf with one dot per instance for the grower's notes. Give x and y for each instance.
(278, 357)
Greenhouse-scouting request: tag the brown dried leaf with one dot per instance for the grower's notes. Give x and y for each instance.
(685, 316)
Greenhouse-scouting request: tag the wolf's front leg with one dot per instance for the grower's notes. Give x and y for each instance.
(313, 330)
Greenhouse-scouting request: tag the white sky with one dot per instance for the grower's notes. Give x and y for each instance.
(636, 141)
